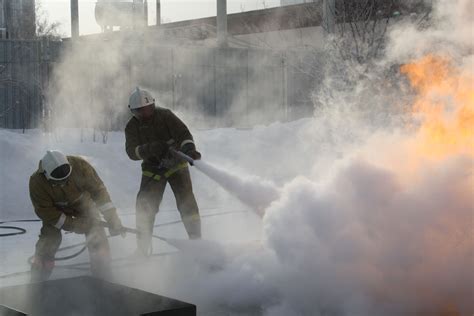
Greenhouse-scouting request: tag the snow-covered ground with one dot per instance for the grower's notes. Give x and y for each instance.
(246, 154)
(350, 227)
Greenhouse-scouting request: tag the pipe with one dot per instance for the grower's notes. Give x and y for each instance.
(329, 20)
(221, 23)
(158, 12)
(74, 19)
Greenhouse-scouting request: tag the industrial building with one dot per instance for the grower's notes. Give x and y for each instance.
(121, 14)
(17, 19)
(227, 69)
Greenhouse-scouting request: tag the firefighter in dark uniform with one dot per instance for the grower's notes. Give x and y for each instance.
(67, 194)
(151, 136)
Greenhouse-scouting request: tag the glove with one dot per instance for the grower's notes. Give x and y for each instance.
(190, 150)
(69, 211)
(196, 155)
(78, 225)
(114, 223)
(155, 148)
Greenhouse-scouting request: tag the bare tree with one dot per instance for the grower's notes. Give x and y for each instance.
(355, 76)
(361, 25)
(44, 27)
(360, 28)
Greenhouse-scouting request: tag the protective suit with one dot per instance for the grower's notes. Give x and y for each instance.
(150, 140)
(73, 203)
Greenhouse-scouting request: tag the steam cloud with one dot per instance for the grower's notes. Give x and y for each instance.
(385, 230)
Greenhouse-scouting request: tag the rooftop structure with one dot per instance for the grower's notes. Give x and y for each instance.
(122, 14)
(290, 2)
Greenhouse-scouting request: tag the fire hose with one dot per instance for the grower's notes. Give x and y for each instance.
(102, 223)
(134, 231)
(130, 230)
(182, 156)
(19, 230)
(84, 244)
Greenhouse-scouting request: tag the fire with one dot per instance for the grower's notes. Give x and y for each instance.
(444, 109)
(444, 105)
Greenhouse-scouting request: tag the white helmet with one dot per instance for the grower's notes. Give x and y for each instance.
(140, 98)
(55, 165)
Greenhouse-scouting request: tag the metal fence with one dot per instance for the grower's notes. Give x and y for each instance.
(228, 86)
(24, 71)
(218, 86)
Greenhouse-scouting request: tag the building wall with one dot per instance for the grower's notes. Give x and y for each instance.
(2, 18)
(19, 18)
(25, 67)
(3, 27)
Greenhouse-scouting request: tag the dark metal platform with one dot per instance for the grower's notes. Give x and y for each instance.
(87, 296)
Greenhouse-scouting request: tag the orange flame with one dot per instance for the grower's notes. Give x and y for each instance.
(444, 104)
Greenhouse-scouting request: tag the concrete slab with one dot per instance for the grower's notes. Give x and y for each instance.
(87, 296)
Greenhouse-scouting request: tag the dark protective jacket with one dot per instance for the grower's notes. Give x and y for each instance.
(166, 127)
(83, 191)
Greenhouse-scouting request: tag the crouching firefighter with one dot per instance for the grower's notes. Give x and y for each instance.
(151, 135)
(67, 194)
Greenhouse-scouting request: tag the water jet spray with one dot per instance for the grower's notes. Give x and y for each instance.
(253, 192)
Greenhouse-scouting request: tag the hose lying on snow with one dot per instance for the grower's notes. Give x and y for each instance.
(180, 244)
(19, 230)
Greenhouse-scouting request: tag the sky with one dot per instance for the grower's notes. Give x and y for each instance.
(172, 10)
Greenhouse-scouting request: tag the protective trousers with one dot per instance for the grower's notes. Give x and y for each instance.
(148, 201)
(48, 244)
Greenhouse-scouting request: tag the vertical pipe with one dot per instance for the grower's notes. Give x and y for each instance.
(134, 15)
(173, 82)
(247, 89)
(329, 11)
(284, 83)
(215, 87)
(158, 12)
(3, 26)
(221, 23)
(2, 16)
(145, 12)
(74, 19)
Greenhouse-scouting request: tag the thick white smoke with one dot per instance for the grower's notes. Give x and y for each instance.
(384, 231)
(450, 33)
(369, 244)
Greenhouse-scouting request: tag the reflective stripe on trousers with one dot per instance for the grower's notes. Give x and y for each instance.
(167, 174)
